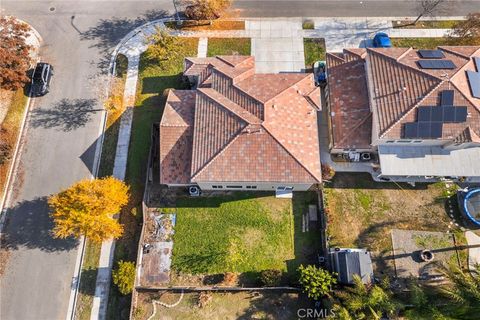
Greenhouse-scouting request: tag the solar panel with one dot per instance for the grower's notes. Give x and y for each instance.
(436, 130)
(474, 82)
(461, 114)
(424, 129)
(437, 114)
(449, 114)
(431, 54)
(424, 114)
(477, 63)
(436, 64)
(446, 97)
(411, 130)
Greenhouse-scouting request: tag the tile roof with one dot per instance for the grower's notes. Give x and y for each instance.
(349, 104)
(176, 134)
(262, 128)
(397, 87)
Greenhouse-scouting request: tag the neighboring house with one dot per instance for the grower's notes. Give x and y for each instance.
(418, 110)
(241, 130)
(349, 262)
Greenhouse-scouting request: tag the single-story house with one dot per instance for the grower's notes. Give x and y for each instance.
(238, 130)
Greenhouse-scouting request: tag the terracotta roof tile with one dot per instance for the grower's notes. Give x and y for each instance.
(176, 134)
(237, 137)
(349, 105)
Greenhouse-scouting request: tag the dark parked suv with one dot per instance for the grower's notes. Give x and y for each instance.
(42, 75)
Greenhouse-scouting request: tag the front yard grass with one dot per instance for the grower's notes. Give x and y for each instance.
(207, 25)
(426, 24)
(314, 50)
(428, 43)
(362, 212)
(154, 79)
(228, 46)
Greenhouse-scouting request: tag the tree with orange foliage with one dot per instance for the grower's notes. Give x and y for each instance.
(205, 9)
(87, 208)
(14, 53)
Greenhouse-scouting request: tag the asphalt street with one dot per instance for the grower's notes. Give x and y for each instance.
(60, 145)
(63, 126)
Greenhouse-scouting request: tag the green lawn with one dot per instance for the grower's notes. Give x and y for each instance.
(426, 24)
(241, 233)
(228, 46)
(421, 43)
(154, 79)
(314, 50)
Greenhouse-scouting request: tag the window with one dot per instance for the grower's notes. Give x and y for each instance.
(404, 141)
(251, 187)
(234, 187)
(391, 141)
(417, 141)
(217, 187)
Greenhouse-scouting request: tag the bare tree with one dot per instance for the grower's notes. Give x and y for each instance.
(468, 31)
(428, 8)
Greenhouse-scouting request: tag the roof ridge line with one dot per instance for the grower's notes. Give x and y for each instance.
(358, 124)
(447, 48)
(415, 106)
(291, 155)
(467, 98)
(205, 166)
(228, 109)
(404, 54)
(283, 91)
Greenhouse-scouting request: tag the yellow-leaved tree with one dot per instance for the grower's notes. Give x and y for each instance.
(87, 208)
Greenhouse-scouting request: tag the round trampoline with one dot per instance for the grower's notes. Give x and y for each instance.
(471, 205)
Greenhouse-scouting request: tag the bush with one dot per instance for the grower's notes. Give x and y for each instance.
(206, 9)
(316, 282)
(327, 172)
(271, 277)
(230, 279)
(124, 276)
(5, 152)
(308, 24)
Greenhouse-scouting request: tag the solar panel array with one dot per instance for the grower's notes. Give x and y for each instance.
(436, 64)
(431, 54)
(430, 119)
(474, 78)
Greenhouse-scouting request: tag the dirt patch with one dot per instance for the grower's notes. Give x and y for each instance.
(361, 212)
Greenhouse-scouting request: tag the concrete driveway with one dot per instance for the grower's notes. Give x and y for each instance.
(277, 45)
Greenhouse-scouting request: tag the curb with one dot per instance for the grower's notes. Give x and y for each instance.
(5, 197)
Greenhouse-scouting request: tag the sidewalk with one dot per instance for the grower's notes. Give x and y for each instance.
(132, 49)
(473, 253)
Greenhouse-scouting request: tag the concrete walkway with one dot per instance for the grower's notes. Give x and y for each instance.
(473, 253)
(132, 49)
(202, 47)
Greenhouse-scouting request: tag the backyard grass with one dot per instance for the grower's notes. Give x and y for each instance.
(9, 131)
(207, 25)
(361, 212)
(427, 24)
(154, 79)
(241, 232)
(242, 305)
(228, 46)
(314, 50)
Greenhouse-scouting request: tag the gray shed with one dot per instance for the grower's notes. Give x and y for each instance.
(347, 262)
